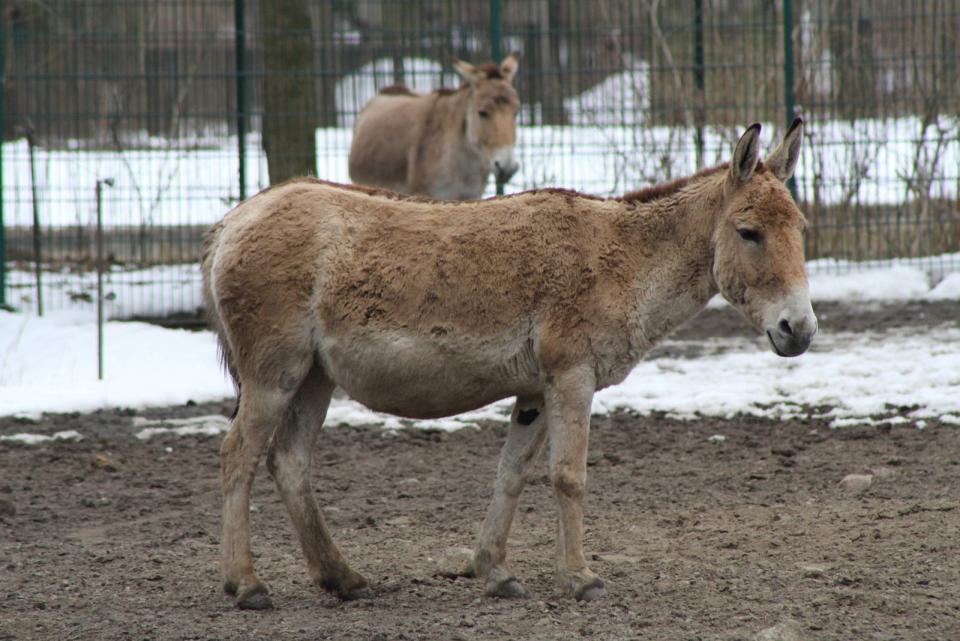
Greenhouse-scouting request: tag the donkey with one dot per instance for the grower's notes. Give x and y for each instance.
(444, 144)
(425, 309)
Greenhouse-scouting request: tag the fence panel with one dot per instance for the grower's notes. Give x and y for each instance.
(616, 94)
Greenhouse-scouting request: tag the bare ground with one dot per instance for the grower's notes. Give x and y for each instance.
(114, 538)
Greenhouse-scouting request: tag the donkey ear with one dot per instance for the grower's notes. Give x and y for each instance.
(466, 70)
(784, 158)
(508, 68)
(745, 156)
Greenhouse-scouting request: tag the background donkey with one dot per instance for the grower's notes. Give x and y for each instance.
(444, 144)
(425, 309)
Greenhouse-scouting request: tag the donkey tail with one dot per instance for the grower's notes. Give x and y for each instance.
(211, 241)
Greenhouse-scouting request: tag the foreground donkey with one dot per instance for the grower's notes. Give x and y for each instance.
(426, 309)
(444, 144)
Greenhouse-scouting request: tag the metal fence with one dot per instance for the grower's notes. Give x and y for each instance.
(167, 100)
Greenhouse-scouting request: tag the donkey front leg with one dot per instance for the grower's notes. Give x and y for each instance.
(524, 441)
(568, 400)
(289, 460)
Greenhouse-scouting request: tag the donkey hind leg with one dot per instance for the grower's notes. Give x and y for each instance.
(525, 439)
(289, 460)
(259, 413)
(568, 401)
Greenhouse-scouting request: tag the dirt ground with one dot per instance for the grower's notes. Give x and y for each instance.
(697, 538)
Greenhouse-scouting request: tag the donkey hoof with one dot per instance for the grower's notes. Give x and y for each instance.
(591, 591)
(508, 588)
(255, 598)
(356, 594)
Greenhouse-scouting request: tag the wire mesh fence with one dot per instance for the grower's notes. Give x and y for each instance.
(176, 102)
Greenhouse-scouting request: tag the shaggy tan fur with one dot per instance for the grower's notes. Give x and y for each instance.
(444, 144)
(424, 309)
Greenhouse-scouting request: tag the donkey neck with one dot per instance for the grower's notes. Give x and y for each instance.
(462, 165)
(449, 108)
(672, 240)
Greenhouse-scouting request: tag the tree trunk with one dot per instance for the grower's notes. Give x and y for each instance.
(289, 115)
(851, 43)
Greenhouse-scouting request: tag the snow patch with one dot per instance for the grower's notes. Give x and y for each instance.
(208, 425)
(34, 439)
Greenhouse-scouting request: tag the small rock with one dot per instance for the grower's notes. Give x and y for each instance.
(788, 630)
(813, 571)
(717, 438)
(883, 472)
(612, 458)
(7, 508)
(617, 559)
(455, 562)
(857, 483)
(103, 462)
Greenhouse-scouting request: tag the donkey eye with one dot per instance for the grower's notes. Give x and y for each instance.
(483, 113)
(750, 235)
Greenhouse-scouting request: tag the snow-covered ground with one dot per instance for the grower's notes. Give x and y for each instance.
(50, 365)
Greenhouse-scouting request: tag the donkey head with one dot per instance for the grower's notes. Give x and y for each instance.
(758, 260)
(491, 118)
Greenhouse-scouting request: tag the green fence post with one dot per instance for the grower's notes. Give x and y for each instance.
(495, 36)
(240, 47)
(788, 76)
(3, 129)
(698, 78)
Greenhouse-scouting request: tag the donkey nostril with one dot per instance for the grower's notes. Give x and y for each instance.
(785, 327)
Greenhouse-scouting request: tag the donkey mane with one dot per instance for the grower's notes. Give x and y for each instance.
(661, 190)
(644, 195)
(489, 69)
(656, 192)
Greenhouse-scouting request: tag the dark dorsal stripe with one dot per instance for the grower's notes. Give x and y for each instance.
(397, 90)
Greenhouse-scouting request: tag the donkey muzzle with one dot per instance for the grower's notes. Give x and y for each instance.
(792, 336)
(504, 171)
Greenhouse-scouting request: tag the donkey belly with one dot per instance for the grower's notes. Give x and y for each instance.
(425, 377)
